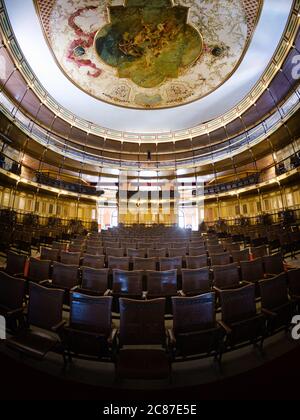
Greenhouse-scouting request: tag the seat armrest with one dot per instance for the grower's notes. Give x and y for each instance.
(108, 292)
(268, 312)
(74, 289)
(15, 312)
(57, 328)
(225, 327)
(181, 293)
(112, 337)
(144, 295)
(217, 289)
(268, 276)
(171, 337)
(45, 282)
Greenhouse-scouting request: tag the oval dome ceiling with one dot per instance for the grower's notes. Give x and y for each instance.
(148, 54)
(205, 55)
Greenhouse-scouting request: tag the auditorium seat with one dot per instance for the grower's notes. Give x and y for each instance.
(15, 264)
(64, 277)
(195, 330)
(127, 284)
(93, 261)
(273, 264)
(177, 252)
(131, 253)
(162, 284)
(215, 249)
(49, 254)
(146, 329)
(240, 319)
(94, 281)
(144, 264)
(196, 250)
(12, 295)
(259, 252)
(89, 333)
(74, 247)
(114, 252)
(70, 258)
(158, 252)
(275, 303)
(94, 250)
(195, 281)
(170, 263)
(239, 256)
(121, 263)
(226, 276)
(38, 270)
(220, 259)
(44, 321)
(197, 261)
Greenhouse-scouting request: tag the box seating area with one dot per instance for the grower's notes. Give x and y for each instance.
(217, 294)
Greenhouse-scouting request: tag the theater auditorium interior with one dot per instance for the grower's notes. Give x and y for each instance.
(149, 195)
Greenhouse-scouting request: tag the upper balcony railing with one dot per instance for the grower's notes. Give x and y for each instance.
(250, 180)
(223, 150)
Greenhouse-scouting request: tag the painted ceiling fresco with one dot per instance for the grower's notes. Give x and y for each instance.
(148, 54)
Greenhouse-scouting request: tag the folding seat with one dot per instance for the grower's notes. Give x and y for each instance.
(75, 247)
(93, 261)
(94, 281)
(142, 324)
(259, 252)
(179, 244)
(171, 263)
(70, 258)
(273, 264)
(239, 256)
(234, 247)
(240, 319)
(197, 244)
(158, 252)
(64, 277)
(215, 249)
(111, 244)
(12, 295)
(39, 270)
(195, 281)
(114, 252)
(61, 246)
(143, 245)
(226, 277)
(15, 264)
(195, 330)
(275, 303)
(141, 252)
(94, 250)
(131, 245)
(162, 284)
(294, 286)
(49, 254)
(197, 261)
(220, 259)
(177, 252)
(45, 310)
(89, 333)
(127, 284)
(121, 263)
(194, 251)
(144, 264)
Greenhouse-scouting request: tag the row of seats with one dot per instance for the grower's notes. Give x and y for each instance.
(89, 332)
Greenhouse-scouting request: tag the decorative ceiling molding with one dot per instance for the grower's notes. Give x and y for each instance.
(22, 65)
(208, 41)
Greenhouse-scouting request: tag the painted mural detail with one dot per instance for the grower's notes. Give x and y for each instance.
(149, 42)
(150, 55)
